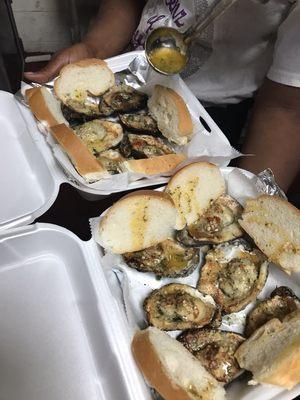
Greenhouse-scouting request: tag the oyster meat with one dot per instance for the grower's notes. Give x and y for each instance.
(123, 99)
(104, 109)
(218, 223)
(166, 259)
(143, 146)
(233, 275)
(139, 123)
(179, 307)
(215, 349)
(112, 160)
(282, 301)
(84, 104)
(99, 135)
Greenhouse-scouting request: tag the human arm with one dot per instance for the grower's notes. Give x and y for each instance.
(108, 35)
(274, 133)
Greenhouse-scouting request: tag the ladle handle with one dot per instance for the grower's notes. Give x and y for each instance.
(216, 10)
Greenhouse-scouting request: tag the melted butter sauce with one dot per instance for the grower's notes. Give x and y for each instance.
(167, 60)
(138, 223)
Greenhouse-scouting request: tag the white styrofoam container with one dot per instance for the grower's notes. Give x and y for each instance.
(213, 146)
(62, 335)
(131, 287)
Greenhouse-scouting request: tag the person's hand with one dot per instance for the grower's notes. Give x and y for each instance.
(66, 56)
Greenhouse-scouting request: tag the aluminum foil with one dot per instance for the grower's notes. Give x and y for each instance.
(265, 183)
(137, 73)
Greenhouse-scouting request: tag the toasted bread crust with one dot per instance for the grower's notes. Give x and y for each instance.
(154, 165)
(39, 108)
(83, 160)
(185, 123)
(30, 92)
(148, 361)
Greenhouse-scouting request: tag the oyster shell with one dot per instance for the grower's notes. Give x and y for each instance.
(143, 146)
(218, 224)
(215, 349)
(140, 123)
(177, 306)
(111, 160)
(100, 135)
(123, 99)
(282, 301)
(166, 259)
(233, 275)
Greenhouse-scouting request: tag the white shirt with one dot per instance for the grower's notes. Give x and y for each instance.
(252, 40)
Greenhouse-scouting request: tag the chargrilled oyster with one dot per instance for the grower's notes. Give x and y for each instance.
(179, 307)
(215, 349)
(166, 259)
(143, 146)
(84, 104)
(111, 160)
(282, 301)
(139, 123)
(218, 223)
(73, 117)
(104, 109)
(123, 99)
(100, 135)
(233, 275)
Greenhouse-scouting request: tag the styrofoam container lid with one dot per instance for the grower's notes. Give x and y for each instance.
(28, 184)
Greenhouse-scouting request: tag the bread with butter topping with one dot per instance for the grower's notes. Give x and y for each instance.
(274, 225)
(171, 369)
(45, 106)
(193, 188)
(137, 221)
(272, 353)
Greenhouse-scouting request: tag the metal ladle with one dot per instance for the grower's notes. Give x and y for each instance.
(167, 50)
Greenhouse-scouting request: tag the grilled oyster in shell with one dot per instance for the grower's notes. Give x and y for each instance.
(143, 146)
(179, 307)
(233, 275)
(84, 104)
(140, 123)
(282, 301)
(123, 99)
(100, 135)
(219, 223)
(104, 109)
(166, 259)
(112, 160)
(215, 349)
(73, 117)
